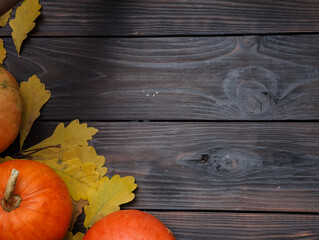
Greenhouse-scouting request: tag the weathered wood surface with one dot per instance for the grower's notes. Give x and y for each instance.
(216, 225)
(178, 17)
(205, 78)
(203, 226)
(212, 166)
(204, 62)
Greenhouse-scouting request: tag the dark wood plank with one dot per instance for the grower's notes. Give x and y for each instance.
(269, 166)
(209, 78)
(206, 225)
(178, 17)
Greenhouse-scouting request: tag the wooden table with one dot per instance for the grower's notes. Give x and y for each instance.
(212, 106)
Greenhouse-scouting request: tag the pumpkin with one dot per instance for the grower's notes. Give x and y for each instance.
(10, 109)
(35, 203)
(129, 225)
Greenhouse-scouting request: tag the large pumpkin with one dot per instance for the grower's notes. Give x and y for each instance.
(129, 225)
(39, 207)
(10, 109)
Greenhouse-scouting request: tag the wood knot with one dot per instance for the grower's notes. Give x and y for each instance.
(222, 163)
(248, 41)
(205, 158)
(231, 162)
(253, 90)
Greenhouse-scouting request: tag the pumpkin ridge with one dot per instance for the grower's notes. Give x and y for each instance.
(35, 211)
(33, 194)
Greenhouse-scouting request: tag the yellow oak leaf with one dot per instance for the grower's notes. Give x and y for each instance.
(77, 236)
(63, 152)
(7, 158)
(23, 22)
(3, 52)
(4, 18)
(88, 154)
(75, 134)
(2, 160)
(34, 96)
(79, 177)
(106, 199)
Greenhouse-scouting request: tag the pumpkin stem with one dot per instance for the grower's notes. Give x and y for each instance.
(11, 202)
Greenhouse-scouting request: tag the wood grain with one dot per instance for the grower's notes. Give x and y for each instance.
(209, 78)
(214, 225)
(167, 84)
(178, 17)
(270, 166)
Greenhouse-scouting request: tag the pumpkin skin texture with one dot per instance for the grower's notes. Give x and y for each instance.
(10, 109)
(129, 225)
(45, 209)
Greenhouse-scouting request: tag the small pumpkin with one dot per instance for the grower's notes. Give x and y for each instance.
(129, 224)
(10, 109)
(35, 205)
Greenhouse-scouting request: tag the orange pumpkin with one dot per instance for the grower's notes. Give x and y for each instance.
(10, 109)
(129, 224)
(38, 206)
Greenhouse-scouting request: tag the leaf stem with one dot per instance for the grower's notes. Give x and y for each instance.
(30, 152)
